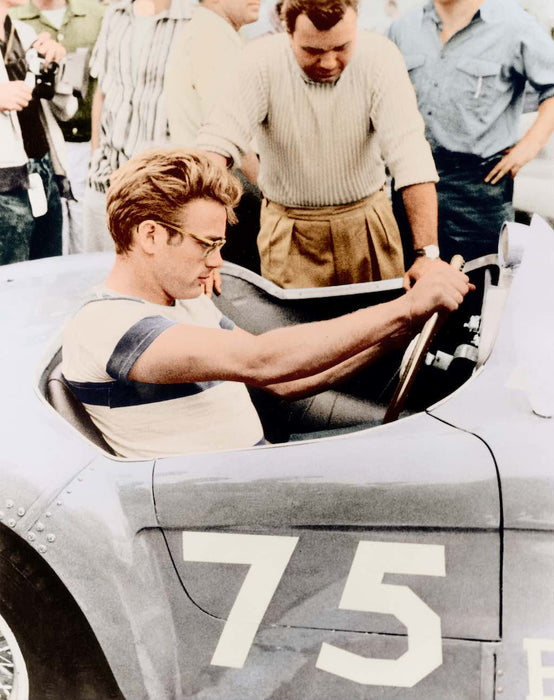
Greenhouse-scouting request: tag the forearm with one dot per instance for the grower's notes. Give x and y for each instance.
(250, 166)
(309, 386)
(420, 203)
(96, 111)
(541, 130)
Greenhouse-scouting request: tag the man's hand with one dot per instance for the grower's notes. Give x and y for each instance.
(213, 283)
(512, 162)
(442, 287)
(529, 146)
(14, 94)
(50, 49)
(421, 266)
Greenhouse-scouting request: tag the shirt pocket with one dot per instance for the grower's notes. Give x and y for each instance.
(476, 84)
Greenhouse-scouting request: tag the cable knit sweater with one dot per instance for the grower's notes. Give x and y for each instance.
(322, 144)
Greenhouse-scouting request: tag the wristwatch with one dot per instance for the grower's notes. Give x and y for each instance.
(428, 251)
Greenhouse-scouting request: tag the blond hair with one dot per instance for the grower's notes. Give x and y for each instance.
(157, 183)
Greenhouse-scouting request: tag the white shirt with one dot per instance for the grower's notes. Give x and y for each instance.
(101, 344)
(203, 57)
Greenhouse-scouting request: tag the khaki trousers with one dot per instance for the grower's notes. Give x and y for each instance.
(322, 246)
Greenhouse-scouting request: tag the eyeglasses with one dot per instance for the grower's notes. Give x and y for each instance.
(209, 245)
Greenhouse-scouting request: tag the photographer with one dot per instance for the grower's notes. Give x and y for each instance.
(31, 159)
(75, 24)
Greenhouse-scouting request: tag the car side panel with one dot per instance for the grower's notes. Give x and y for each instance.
(526, 664)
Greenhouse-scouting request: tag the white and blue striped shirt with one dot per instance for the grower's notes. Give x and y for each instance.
(133, 112)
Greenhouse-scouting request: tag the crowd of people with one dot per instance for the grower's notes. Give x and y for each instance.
(313, 119)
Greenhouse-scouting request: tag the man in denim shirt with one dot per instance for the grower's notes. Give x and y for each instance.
(469, 61)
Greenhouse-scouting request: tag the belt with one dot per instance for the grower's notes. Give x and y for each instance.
(309, 213)
(449, 160)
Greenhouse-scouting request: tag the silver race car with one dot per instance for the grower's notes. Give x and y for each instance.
(356, 557)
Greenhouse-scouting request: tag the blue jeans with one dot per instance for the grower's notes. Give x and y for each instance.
(22, 237)
(471, 212)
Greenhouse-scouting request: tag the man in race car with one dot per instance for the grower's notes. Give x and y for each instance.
(159, 369)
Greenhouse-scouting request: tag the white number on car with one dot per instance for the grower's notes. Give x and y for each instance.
(364, 590)
(268, 557)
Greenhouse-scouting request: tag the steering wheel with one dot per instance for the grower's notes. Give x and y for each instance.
(415, 359)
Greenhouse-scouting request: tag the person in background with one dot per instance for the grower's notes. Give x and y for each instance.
(74, 24)
(128, 111)
(329, 106)
(469, 61)
(203, 59)
(32, 145)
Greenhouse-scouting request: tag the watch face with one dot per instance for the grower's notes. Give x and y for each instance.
(431, 251)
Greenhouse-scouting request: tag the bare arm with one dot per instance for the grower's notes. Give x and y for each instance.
(533, 141)
(193, 354)
(97, 102)
(308, 386)
(250, 166)
(217, 158)
(420, 203)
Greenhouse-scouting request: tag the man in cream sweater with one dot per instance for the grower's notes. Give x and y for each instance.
(329, 107)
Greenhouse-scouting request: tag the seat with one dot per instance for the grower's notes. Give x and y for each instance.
(62, 399)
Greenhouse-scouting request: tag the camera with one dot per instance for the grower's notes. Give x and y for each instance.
(40, 77)
(70, 77)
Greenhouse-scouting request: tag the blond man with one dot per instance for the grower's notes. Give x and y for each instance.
(159, 369)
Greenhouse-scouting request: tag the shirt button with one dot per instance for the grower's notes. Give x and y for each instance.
(429, 113)
(60, 36)
(436, 84)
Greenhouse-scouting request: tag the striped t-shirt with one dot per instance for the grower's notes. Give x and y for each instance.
(133, 116)
(142, 420)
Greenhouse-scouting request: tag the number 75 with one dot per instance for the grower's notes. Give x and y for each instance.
(364, 590)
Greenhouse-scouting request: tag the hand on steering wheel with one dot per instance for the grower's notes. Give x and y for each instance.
(416, 357)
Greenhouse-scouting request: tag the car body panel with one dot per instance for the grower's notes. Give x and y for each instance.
(516, 382)
(380, 485)
(526, 657)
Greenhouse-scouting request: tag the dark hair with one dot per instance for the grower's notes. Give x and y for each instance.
(158, 183)
(323, 14)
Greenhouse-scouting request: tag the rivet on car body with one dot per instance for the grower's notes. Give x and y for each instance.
(12, 522)
(21, 512)
(31, 537)
(500, 672)
(500, 689)
(40, 526)
(68, 491)
(51, 537)
(9, 503)
(48, 514)
(42, 548)
(58, 503)
(79, 478)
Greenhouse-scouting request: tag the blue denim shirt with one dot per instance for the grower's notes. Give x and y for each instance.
(470, 90)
